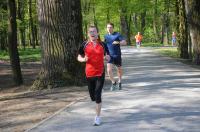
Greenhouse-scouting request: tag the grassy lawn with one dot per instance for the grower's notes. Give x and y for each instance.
(26, 55)
(168, 51)
(151, 45)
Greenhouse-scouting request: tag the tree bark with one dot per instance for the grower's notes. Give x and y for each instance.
(182, 35)
(135, 21)
(124, 21)
(143, 22)
(193, 16)
(33, 37)
(3, 29)
(166, 22)
(155, 22)
(60, 25)
(21, 13)
(12, 43)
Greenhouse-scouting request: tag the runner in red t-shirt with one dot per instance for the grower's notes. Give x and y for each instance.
(92, 52)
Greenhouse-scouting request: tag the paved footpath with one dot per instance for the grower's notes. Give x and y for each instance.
(159, 95)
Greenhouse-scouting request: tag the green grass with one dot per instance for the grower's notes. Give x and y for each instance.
(27, 55)
(168, 51)
(151, 45)
(148, 44)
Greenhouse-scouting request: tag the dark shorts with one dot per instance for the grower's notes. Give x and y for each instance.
(139, 43)
(115, 60)
(95, 86)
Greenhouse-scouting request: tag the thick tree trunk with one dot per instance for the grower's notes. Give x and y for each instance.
(12, 43)
(182, 36)
(193, 16)
(60, 36)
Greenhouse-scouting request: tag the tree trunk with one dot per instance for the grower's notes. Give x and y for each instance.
(166, 22)
(12, 43)
(162, 30)
(182, 36)
(135, 21)
(193, 16)
(124, 28)
(143, 23)
(124, 21)
(94, 18)
(155, 22)
(33, 39)
(60, 25)
(3, 29)
(3, 40)
(21, 14)
(190, 46)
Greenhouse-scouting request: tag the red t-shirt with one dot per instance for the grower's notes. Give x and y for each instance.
(95, 54)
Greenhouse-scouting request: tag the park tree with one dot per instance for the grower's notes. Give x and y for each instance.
(32, 23)
(21, 16)
(182, 31)
(124, 19)
(155, 21)
(3, 26)
(193, 16)
(60, 24)
(12, 43)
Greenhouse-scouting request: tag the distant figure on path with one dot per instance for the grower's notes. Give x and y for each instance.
(92, 52)
(138, 39)
(173, 39)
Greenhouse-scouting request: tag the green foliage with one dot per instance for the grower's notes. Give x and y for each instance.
(148, 35)
(3, 18)
(27, 55)
(151, 45)
(168, 51)
(100, 10)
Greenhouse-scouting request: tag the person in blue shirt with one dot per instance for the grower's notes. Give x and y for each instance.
(113, 41)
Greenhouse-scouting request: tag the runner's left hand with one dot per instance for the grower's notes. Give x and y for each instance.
(116, 42)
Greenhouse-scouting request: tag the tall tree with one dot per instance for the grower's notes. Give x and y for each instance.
(12, 43)
(3, 25)
(60, 25)
(182, 34)
(32, 34)
(166, 21)
(193, 16)
(21, 16)
(143, 22)
(155, 21)
(125, 30)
